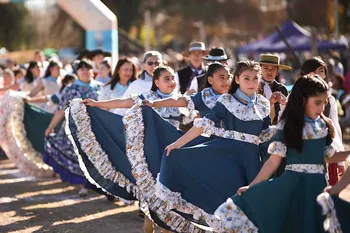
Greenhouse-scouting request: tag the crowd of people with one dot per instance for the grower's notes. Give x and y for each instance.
(208, 146)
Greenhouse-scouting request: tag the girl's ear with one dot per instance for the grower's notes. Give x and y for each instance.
(156, 82)
(210, 80)
(237, 80)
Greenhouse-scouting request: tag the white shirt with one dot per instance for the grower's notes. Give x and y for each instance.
(333, 115)
(139, 86)
(193, 85)
(106, 93)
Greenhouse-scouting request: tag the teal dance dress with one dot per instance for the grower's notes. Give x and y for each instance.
(286, 204)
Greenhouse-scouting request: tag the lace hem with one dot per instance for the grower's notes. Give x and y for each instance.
(331, 223)
(93, 150)
(175, 201)
(134, 129)
(8, 141)
(16, 105)
(233, 219)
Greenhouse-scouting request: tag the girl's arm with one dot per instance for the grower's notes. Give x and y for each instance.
(205, 124)
(57, 118)
(187, 137)
(265, 173)
(170, 102)
(342, 184)
(113, 103)
(40, 99)
(39, 87)
(338, 157)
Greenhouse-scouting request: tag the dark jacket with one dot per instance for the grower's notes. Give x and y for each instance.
(185, 75)
(275, 86)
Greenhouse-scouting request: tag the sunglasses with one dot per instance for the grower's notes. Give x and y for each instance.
(151, 63)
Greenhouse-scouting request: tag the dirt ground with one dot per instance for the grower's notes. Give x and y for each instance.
(48, 205)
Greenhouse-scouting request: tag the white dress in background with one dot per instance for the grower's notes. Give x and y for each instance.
(106, 93)
(25, 86)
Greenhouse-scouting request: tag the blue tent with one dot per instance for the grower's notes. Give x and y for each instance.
(298, 38)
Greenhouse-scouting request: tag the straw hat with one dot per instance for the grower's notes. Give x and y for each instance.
(195, 46)
(269, 59)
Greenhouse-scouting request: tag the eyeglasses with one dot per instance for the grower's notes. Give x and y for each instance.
(151, 63)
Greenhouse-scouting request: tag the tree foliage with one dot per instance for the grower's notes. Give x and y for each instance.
(127, 12)
(15, 30)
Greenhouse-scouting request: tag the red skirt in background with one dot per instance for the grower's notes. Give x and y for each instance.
(333, 173)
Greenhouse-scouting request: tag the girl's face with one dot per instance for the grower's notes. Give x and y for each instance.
(166, 82)
(150, 64)
(315, 105)
(248, 82)
(35, 71)
(19, 76)
(321, 72)
(55, 71)
(103, 70)
(125, 72)
(220, 81)
(85, 74)
(7, 79)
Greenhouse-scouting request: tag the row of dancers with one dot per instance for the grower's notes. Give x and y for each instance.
(187, 181)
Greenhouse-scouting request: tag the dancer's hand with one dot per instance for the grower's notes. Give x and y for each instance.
(274, 98)
(27, 99)
(282, 99)
(47, 132)
(341, 170)
(147, 103)
(242, 190)
(190, 92)
(90, 102)
(171, 147)
(331, 190)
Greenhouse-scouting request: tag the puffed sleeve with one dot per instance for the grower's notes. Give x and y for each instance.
(278, 146)
(214, 117)
(67, 95)
(268, 130)
(188, 112)
(330, 149)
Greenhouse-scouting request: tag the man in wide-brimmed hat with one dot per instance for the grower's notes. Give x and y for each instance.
(216, 54)
(185, 77)
(274, 91)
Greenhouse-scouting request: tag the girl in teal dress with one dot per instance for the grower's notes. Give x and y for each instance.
(218, 80)
(336, 209)
(288, 204)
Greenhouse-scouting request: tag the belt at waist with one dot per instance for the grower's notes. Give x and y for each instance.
(306, 168)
